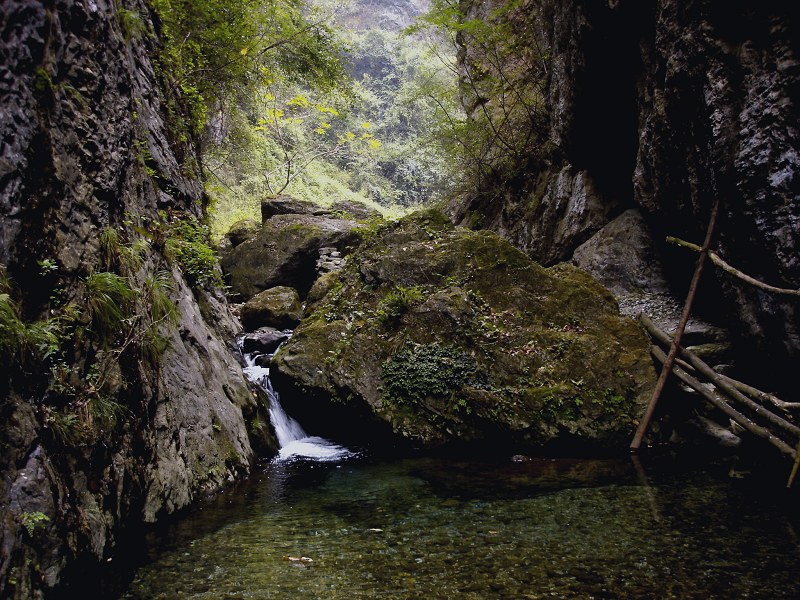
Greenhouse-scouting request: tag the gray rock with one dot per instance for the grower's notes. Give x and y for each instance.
(622, 257)
(89, 143)
(287, 205)
(264, 339)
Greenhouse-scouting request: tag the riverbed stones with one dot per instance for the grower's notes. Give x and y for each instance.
(276, 307)
(437, 335)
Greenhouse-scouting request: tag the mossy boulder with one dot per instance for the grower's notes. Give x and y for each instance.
(276, 307)
(443, 335)
(241, 231)
(284, 252)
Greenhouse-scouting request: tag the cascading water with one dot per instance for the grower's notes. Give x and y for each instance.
(294, 442)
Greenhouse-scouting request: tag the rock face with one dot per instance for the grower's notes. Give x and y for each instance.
(444, 335)
(287, 248)
(663, 107)
(88, 147)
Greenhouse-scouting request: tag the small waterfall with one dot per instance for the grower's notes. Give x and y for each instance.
(293, 441)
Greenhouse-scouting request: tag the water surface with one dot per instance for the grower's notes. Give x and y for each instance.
(439, 528)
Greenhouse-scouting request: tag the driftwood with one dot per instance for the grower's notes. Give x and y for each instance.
(715, 258)
(676, 342)
(721, 383)
(724, 407)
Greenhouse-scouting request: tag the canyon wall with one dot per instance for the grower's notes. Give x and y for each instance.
(655, 110)
(93, 141)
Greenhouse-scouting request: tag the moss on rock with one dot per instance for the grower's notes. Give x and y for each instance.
(446, 334)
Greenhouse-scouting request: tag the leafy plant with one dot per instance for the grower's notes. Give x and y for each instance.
(397, 303)
(433, 370)
(31, 520)
(189, 245)
(23, 341)
(109, 302)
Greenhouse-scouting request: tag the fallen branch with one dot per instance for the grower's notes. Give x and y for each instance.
(703, 369)
(715, 258)
(676, 342)
(762, 397)
(724, 407)
(794, 467)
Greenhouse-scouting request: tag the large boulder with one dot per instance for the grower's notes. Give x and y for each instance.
(440, 335)
(276, 307)
(285, 252)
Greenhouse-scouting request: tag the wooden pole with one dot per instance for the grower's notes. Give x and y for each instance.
(715, 258)
(673, 351)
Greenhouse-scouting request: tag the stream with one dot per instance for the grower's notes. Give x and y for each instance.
(320, 521)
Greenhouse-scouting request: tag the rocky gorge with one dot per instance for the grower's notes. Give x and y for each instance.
(500, 323)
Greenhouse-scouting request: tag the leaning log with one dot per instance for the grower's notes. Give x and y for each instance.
(724, 407)
(673, 350)
(719, 382)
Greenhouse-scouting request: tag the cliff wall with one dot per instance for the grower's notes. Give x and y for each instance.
(93, 148)
(660, 107)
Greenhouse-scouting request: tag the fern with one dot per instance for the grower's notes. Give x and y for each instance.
(109, 302)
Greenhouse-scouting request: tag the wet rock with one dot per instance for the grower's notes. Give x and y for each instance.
(276, 307)
(444, 335)
(264, 340)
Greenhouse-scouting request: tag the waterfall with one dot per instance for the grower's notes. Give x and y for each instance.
(293, 441)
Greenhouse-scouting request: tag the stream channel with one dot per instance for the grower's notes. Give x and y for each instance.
(320, 521)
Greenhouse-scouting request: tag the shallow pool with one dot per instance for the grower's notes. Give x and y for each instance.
(439, 528)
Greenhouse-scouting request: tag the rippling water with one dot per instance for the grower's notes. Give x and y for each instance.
(437, 528)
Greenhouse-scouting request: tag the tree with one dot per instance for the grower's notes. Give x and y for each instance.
(304, 132)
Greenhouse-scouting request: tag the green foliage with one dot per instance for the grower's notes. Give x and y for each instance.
(218, 51)
(65, 427)
(109, 302)
(496, 119)
(189, 245)
(24, 342)
(157, 289)
(32, 520)
(397, 303)
(420, 371)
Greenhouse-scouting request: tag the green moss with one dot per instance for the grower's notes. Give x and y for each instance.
(421, 371)
(397, 303)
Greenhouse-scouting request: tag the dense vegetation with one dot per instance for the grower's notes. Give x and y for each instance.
(280, 103)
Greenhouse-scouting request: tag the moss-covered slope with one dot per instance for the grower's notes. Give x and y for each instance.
(443, 335)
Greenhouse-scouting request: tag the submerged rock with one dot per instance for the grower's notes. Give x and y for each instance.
(441, 334)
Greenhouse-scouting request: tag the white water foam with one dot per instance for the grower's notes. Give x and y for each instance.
(293, 441)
